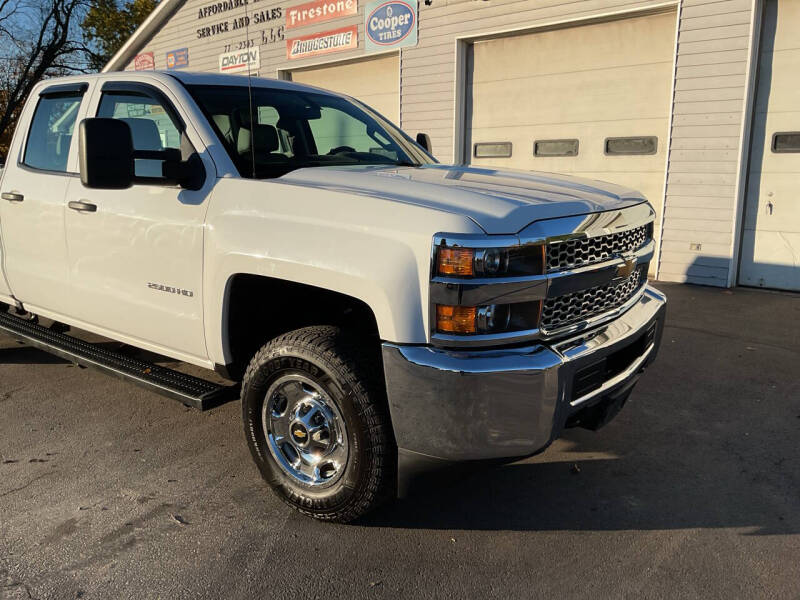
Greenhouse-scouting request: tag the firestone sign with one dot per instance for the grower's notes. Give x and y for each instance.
(390, 24)
(319, 12)
(241, 61)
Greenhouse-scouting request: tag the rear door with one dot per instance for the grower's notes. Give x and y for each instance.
(40, 165)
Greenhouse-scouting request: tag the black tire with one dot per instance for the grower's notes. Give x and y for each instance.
(353, 380)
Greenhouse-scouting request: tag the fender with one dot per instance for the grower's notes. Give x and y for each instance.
(372, 249)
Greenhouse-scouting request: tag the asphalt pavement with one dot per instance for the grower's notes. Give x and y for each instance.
(108, 491)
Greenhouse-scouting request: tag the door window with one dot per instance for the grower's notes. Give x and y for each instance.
(152, 126)
(51, 131)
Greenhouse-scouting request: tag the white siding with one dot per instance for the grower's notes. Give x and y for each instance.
(711, 80)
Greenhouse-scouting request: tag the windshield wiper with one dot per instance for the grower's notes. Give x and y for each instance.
(406, 163)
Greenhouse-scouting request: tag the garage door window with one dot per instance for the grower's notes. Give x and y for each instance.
(555, 148)
(786, 142)
(492, 150)
(627, 146)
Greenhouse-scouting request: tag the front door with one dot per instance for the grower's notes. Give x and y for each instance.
(771, 241)
(39, 169)
(136, 255)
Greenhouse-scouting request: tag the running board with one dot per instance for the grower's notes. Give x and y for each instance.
(191, 391)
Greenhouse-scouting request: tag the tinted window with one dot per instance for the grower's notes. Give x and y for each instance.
(151, 125)
(50, 134)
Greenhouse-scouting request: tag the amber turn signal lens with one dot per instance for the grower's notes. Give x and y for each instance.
(455, 319)
(455, 261)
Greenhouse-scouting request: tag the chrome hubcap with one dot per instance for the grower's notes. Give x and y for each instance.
(305, 431)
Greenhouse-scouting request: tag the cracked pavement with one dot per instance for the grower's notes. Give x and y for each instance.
(108, 491)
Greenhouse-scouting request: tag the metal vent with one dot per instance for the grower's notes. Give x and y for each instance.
(570, 308)
(579, 252)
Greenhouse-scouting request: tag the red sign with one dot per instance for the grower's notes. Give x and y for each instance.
(145, 62)
(324, 42)
(319, 11)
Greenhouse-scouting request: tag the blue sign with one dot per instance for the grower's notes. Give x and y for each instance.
(390, 24)
(178, 59)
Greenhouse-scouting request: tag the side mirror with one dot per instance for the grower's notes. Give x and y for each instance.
(189, 174)
(424, 140)
(106, 154)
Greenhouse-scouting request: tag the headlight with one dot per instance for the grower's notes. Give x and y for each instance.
(489, 262)
(460, 266)
(492, 318)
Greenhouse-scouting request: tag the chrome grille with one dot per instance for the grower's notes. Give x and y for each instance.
(579, 252)
(569, 308)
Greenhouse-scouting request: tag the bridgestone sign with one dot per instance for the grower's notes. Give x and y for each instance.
(325, 42)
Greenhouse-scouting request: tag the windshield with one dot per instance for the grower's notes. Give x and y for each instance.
(290, 129)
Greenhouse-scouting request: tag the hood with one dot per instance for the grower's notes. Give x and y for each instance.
(498, 201)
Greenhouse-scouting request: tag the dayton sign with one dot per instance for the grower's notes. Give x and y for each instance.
(390, 24)
(242, 60)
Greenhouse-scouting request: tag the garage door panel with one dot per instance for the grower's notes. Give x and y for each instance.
(771, 241)
(777, 264)
(614, 95)
(761, 156)
(374, 81)
(781, 33)
(591, 138)
(784, 92)
(589, 83)
(773, 200)
(586, 48)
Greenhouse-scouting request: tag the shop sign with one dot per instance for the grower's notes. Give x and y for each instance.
(319, 11)
(324, 42)
(239, 61)
(145, 62)
(178, 59)
(390, 24)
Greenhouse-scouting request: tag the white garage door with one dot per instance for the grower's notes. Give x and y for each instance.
(373, 81)
(590, 100)
(771, 242)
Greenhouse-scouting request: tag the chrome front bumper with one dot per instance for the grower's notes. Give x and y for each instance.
(471, 404)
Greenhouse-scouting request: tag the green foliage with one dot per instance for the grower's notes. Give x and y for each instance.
(107, 25)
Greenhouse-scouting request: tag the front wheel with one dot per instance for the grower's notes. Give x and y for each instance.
(317, 423)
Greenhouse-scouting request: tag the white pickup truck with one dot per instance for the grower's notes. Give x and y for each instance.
(383, 313)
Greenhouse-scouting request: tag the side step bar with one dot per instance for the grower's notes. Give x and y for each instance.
(191, 391)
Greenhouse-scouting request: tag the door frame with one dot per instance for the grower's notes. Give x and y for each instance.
(746, 140)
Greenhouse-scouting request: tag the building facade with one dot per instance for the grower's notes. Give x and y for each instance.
(694, 102)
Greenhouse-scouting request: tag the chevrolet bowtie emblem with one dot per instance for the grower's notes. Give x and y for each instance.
(624, 270)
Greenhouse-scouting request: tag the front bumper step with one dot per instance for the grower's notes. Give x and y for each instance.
(191, 391)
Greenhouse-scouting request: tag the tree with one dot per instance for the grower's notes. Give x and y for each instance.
(107, 26)
(39, 40)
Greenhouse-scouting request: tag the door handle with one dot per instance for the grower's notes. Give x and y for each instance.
(82, 206)
(13, 196)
